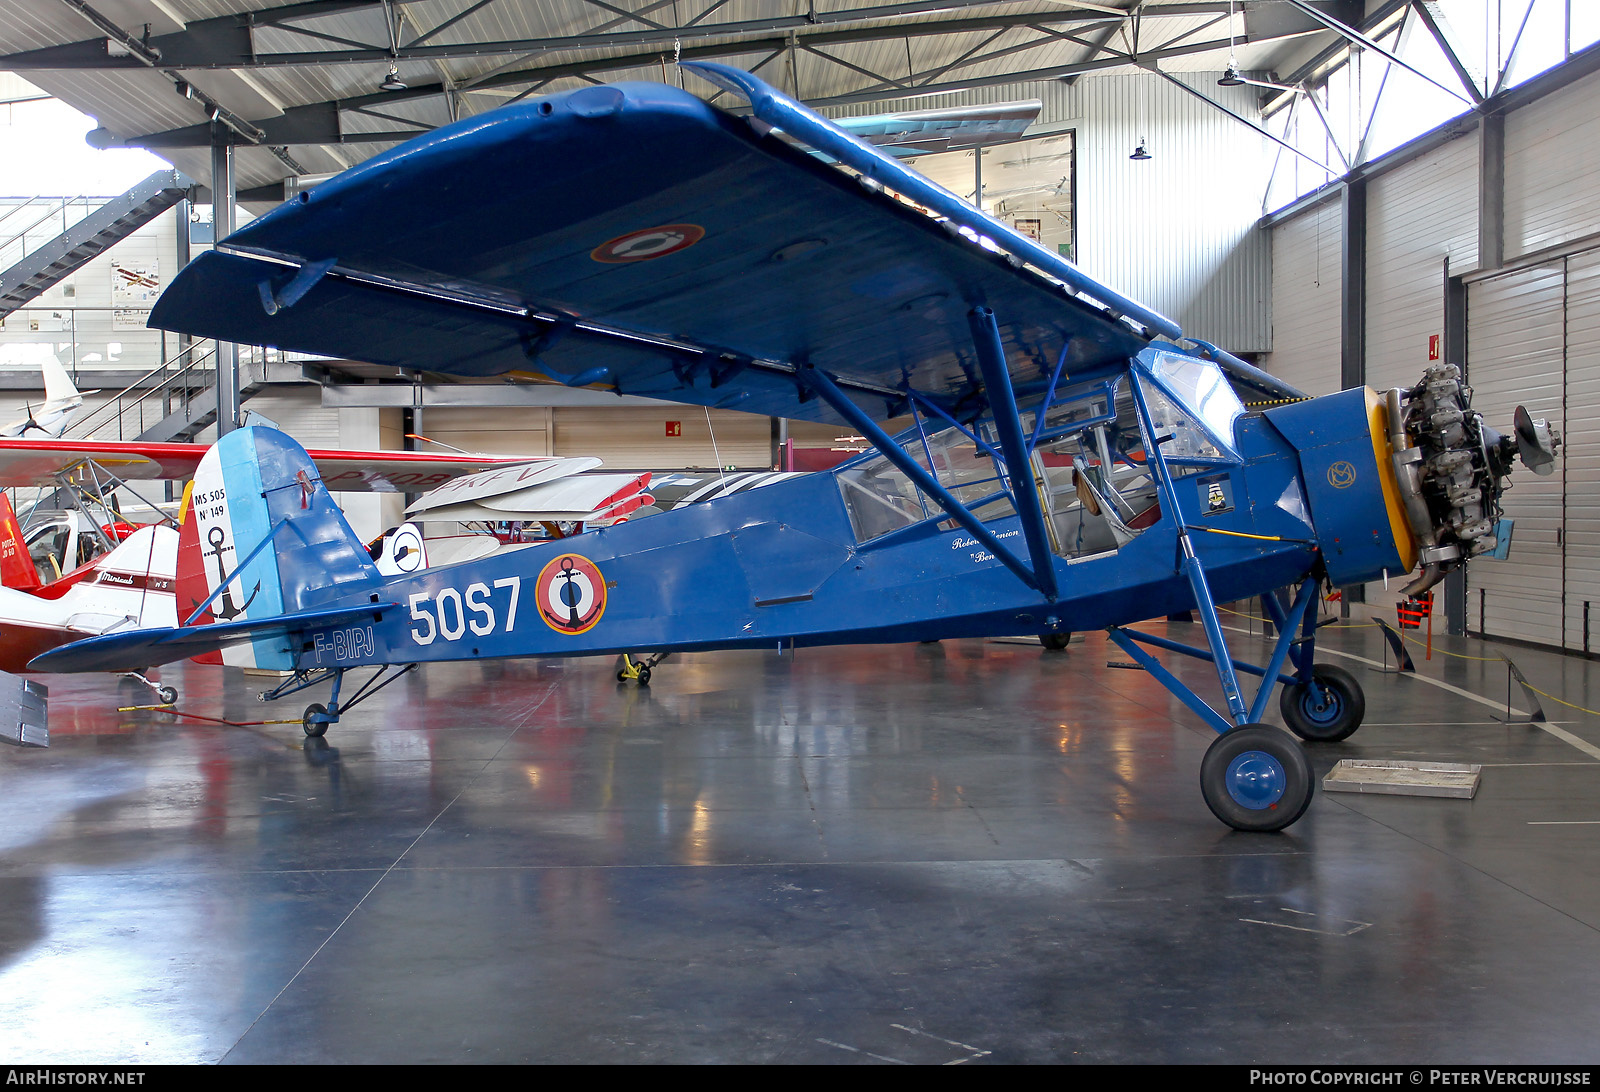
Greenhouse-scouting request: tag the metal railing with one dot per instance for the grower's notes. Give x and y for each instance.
(177, 385)
(174, 384)
(52, 206)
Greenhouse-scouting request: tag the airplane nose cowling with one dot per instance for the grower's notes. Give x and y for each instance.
(1413, 475)
(1343, 444)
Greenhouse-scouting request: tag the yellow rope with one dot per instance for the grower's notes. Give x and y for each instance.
(1447, 652)
(1568, 704)
(1456, 655)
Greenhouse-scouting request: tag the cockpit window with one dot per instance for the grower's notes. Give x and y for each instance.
(880, 498)
(1192, 392)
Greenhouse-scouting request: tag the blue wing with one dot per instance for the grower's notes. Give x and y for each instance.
(634, 236)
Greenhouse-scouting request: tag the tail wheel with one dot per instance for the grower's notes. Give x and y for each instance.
(1325, 710)
(167, 694)
(1256, 778)
(314, 727)
(1055, 642)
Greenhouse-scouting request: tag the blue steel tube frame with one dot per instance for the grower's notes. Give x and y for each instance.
(1008, 423)
(1190, 564)
(829, 391)
(1271, 675)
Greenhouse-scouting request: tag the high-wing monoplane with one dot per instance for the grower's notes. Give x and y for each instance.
(1074, 462)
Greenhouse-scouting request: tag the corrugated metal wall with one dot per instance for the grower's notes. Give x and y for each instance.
(1178, 232)
(1306, 267)
(1553, 170)
(1417, 216)
(523, 431)
(636, 439)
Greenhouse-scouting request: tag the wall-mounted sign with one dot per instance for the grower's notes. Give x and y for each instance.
(674, 428)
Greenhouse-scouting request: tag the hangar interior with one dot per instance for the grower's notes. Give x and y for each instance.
(974, 850)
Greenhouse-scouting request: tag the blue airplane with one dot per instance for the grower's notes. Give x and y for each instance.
(1072, 462)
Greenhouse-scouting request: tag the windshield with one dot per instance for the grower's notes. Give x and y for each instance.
(1201, 392)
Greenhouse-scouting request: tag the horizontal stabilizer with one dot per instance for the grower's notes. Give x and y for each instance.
(136, 649)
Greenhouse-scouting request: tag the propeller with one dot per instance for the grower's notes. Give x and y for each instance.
(31, 423)
(1537, 442)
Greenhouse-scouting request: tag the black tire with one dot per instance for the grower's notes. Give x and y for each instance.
(622, 676)
(1055, 642)
(314, 728)
(1256, 778)
(644, 675)
(167, 694)
(1341, 709)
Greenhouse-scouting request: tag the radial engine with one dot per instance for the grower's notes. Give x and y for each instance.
(1452, 469)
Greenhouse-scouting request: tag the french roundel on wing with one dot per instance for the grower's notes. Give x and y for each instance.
(647, 243)
(571, 594)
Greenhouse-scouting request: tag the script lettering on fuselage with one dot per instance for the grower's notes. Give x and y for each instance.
(979, 556)
(451, 614)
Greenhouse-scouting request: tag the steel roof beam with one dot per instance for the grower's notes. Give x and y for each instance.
(318, 123)
(229, 41)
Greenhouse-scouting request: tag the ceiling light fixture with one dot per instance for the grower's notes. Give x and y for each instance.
(1139, 153)
(1231, 78)
(392, 82)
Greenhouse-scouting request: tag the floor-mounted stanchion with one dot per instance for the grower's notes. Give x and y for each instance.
(1397, 642)
(1536, 716)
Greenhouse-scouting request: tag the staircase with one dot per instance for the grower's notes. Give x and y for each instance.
(176, 400)
(95, 233)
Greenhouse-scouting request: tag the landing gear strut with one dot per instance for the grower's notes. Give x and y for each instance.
(638, 670)
(315, 720)
(167, 694)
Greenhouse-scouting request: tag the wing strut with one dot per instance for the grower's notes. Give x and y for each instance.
(1194, 571)
(825, 387)
(1008, 423)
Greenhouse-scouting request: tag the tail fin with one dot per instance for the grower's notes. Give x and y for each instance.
(58, 385)
(16, 567)
(258, 517)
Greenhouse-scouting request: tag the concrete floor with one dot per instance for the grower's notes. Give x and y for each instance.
(974, 851)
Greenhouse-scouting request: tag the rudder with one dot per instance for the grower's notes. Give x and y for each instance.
(254, 485)
(16, 567)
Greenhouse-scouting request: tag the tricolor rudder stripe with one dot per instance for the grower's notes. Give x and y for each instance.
(251, 486)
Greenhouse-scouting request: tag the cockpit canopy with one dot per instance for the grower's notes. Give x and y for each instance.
(1088, 456)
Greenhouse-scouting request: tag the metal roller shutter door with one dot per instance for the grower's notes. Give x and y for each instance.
(1515, 354)
(1580, 458)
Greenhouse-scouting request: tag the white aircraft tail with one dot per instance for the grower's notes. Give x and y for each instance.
(58, 385)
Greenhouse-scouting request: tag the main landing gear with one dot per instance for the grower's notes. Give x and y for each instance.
(1055, 642)
(1256, 777)
(317, 717)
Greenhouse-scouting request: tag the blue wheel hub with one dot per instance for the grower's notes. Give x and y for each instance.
(1321, 704)
(1256, 780)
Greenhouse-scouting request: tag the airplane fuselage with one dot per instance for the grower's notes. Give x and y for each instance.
(782, 567)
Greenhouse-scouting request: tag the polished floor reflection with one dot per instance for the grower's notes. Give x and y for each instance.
(971, 851)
